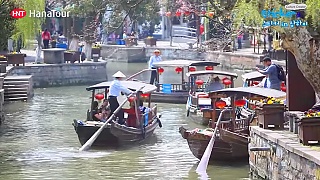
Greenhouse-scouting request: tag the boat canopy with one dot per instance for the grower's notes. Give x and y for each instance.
(223, 73)
(184, 63)
(132, 85)
(253, 76)
(255, 91)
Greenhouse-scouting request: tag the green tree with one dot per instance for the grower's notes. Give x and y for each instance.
(8, 23)
(302, 41)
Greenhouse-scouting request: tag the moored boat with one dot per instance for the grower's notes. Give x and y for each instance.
(199, 105)
(231, 141)
(177, 93)
(139, 125)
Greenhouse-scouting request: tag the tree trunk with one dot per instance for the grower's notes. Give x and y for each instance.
(307, 53)
(74, 44)
(87, 49)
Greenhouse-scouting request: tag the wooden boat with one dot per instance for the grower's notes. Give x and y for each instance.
(252, 78)
(199, 105)
(231, 141)
(177, 93)
(137, 128)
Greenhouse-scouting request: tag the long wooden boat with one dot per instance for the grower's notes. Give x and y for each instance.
(232, 138)
(199, 106)
(177, 93)
(134, 129)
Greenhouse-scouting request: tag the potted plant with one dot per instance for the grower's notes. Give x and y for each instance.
(271, 113)
(96, 52)
(309, 127)
(150, 41)
(15, 58)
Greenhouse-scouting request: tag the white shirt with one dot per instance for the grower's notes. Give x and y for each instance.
(154, 59)
(262, 83)
(124, 36)
(116, 88)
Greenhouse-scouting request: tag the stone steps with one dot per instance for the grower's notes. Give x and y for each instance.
(18, 88)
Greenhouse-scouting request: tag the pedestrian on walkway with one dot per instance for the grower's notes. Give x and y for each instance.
(240, 35)
(46, 38)
(155, 58)
(115, 89)
(273, 73)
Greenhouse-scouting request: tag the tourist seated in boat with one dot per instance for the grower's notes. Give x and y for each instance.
(214, 85)
(105, 110)
(145, 112)
(100, 114)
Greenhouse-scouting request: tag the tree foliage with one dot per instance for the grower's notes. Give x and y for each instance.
(29, 27)
(8, 23)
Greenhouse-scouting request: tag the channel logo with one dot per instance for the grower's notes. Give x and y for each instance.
(294, 6)
(18, 13)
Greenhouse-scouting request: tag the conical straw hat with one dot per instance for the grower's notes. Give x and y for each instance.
(119, 74)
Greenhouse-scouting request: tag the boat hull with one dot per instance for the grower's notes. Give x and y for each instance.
(85, 132)
(128, 134)
(222, 150)
(174, 97)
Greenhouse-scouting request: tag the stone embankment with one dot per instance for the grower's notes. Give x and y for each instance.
(287, 159)
(241, 59)
(48, 75)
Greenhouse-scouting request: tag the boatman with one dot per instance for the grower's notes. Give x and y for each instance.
(155, 58)
(115, 89)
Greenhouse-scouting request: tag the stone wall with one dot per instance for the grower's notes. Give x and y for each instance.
(227, 59)
(123, 54)
(287, 158)
(48, 75)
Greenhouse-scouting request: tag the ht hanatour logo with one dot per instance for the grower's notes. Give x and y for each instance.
(21, 13)
(18, 13)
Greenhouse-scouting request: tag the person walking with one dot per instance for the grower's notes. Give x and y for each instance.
(155, 58)
(273, 73)
(46, 38)
(115, 89)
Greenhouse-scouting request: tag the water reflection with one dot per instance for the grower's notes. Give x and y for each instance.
(37, 141)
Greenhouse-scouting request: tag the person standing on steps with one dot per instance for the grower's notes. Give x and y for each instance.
(155, 58)
(46, 38)
(115, 89)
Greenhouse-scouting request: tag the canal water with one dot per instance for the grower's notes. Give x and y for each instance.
(37, 141)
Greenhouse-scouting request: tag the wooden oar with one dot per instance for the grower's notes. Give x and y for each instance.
(88, 144)
(202, 167)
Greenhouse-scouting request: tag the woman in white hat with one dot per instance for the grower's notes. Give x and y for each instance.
(155, 58)
(115, 89)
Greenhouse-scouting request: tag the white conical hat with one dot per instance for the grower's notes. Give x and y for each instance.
(119, 74)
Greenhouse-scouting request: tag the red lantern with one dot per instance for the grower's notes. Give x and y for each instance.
(240, 102)
(192, 68)
(160, 70)
(168, 14)
(203, 12)
(255, 82)
(186, 13)
(201, 29)
(99, 96)
(199, 82)
(203, 96)
(226, 81)
(131, 99)
(178, 13)
(210, 14)
(283, 88)
(178, 70)
(220, 104)
(145, 95)
(209, 68)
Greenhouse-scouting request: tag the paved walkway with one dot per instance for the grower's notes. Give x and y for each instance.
(31, 54)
